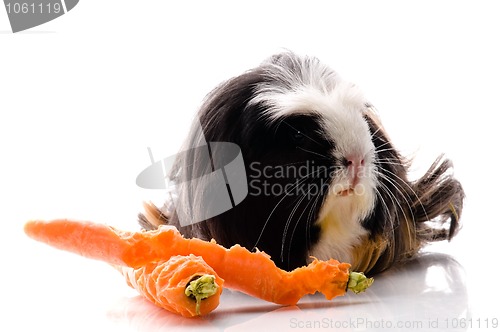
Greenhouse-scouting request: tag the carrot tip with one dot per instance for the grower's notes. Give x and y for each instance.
(358, 282)
(201, 288)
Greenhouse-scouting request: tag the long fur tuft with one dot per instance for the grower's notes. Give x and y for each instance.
(438, 202)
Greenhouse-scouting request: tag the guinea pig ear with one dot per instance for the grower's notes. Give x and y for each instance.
(373, 120)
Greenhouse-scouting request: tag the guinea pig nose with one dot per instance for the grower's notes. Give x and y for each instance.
(355, 169)
(353, 162)
(345, 162)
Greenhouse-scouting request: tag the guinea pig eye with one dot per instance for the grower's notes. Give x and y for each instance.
(297, 136)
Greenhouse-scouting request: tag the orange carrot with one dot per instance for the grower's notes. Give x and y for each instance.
(251, 273)
(183, 284)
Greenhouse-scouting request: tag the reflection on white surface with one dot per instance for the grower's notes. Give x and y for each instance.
(427, 293)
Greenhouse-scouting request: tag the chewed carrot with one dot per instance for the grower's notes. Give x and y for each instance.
(253, 273)
(183, 284)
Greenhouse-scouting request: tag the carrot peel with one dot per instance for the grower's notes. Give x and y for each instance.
(168, 284)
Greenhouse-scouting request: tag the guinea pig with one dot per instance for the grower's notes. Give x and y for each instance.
(324, 179)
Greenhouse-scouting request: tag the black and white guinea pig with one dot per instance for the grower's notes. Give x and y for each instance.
(324, 179)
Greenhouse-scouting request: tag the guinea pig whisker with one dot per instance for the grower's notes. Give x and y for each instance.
(386, 207)
(379, 195)
(290, 216)
(376, 132)
(373, 138)
(289, 220)
(393, 200)
(308, 225)
(405, 197)
(374, 135)
(387, 142)
(294, 210)
(303, 179)
(313, 152)
(285, 194)
(390, 163)
(412, 192)
(302, 133)
(391, 194)
(399, 189)
(407, 185)
(294, 163)
(311, 218)
(379, 150)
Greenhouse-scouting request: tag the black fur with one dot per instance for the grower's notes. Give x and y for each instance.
(260, 221)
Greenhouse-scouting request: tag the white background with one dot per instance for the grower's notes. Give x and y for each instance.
(83, 96)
